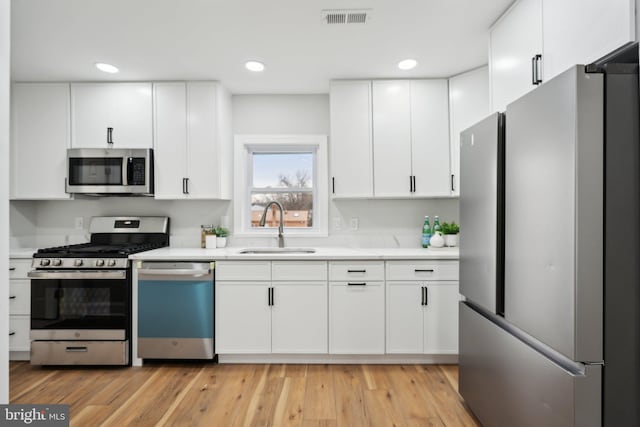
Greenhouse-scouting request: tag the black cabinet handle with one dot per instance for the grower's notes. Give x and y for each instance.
(534, 81)
(410, 184)
(453, 187)
(424, 271)
(12, 269)
(109, 135)
(185, 185)
(422, 294)
(273, 296)
(357, 284)
(426, 296)
(333, 184)
(269, 297)
(356, 271)
(12, 333)
(413, 178)
(12, 297)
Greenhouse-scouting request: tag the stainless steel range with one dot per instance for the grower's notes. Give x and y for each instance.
(81, 294)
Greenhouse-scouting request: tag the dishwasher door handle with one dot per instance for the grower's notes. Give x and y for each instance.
(177, 272)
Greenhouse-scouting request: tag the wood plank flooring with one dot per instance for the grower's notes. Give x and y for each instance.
(248, 395)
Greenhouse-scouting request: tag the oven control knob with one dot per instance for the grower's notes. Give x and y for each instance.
(45, 262)
(77, 262)
(57, 262)
(112, 263)
(100, 263)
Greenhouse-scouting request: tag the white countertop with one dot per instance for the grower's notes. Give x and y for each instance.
(25, 253)
(232, 253)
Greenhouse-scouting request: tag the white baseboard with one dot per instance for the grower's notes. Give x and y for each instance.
(346, 359)
(19, 355)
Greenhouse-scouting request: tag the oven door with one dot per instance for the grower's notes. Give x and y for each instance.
(80, 305)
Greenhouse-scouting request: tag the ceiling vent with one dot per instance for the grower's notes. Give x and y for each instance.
(346, 16)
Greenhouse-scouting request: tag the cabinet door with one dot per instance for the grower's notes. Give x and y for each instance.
(391, 138)
(441, 318)
(40, 120)
(299, 317)
(351, 150)
(513, 41)
(468, 104)
(243, 318)
(404, 317)
(582, 31)
(170, 137)
(430, 137)
(125, 107)
(356, 318)
(203, 162)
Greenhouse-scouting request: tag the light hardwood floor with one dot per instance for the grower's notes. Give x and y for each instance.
(248, 395)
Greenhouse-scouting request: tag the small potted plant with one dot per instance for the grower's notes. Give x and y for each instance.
(450, 232)
(221, 236)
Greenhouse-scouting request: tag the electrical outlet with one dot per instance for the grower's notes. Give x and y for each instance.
(337, 223)
(79, 223)
(354, 223)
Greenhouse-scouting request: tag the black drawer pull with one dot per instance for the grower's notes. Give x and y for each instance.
(12, 269)
(424, 271)
(356, 271)
(12, 297)
(357, 284)
(12, 333)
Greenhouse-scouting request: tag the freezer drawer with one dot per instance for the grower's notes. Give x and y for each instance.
(508, 383)
(79, 352)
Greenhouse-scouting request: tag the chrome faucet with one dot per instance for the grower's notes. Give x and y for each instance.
(263, 220)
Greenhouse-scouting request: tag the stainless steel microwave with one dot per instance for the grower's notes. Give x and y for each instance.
(110, 171)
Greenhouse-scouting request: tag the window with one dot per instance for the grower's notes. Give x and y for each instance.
(288, 169)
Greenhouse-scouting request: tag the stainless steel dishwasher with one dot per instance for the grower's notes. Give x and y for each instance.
(175, 310)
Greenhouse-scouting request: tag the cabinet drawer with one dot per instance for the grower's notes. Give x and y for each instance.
(299, 270)
(358, 271)
(243, 270)
(422, 270)
(18, 268)
(19, 333)
(19, 296)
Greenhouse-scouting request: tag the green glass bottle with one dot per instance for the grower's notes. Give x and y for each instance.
(436, 225)
(426, 232)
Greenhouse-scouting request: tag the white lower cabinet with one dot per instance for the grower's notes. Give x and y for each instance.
(422, 317)
(356, 317)
(299, 317)
(19, 309)
(287, 316)
(243, 318)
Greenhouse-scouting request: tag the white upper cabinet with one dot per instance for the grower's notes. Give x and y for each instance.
(126, 108)
(514, 42)
(350, 144)
(582, 31)
(392, 138)
(468, 104)
(411, 138)
(40, 120)
(193, 147)
(430, 138)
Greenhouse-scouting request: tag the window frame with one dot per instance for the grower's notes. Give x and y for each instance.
(245, 146)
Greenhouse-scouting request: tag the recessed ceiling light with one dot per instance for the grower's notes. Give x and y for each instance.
(107, 68)
(254, 66)
(407, 64)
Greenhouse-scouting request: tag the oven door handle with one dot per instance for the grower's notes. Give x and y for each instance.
(77, 274)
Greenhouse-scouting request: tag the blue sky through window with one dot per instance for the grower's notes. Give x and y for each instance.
(267, 168)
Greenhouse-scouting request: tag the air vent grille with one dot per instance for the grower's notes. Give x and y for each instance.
(346, 16)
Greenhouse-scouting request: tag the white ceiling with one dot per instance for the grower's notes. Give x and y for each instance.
(60, 40)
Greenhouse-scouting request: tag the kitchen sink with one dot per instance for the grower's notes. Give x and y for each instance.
(277, 251)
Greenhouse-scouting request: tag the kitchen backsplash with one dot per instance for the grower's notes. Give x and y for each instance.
(381, 223)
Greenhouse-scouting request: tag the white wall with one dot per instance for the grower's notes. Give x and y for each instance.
(380, 222)
(5, 8)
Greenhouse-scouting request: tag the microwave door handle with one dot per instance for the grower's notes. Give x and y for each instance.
(129, 168)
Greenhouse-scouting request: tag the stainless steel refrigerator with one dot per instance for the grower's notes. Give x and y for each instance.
(550, 253)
